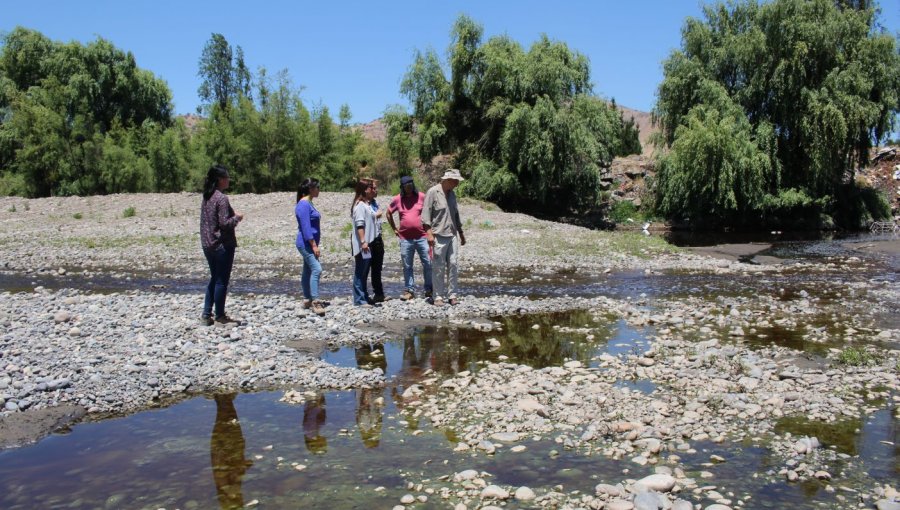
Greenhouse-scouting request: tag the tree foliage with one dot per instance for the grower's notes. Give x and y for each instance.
(769, 108)
(84, 119)
(523, 124)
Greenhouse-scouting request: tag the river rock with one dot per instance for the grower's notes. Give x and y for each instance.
(494, 492)
(524, 494)
(886, 504)
(656, 482)
(619, 504)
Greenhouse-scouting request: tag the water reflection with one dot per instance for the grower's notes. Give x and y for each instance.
(369, 410)
(313, 421)
(226, 452)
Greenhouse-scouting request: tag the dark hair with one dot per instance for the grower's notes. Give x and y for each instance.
(305, 186)
(413, 192)
(213, 175)
(361, 186)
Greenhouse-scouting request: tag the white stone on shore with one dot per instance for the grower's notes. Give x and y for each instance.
(524, 494)
(656, 482)
(494, 492)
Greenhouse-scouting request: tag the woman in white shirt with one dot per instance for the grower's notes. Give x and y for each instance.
(361, 236)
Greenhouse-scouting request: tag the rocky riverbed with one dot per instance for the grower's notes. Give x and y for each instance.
(726, 366)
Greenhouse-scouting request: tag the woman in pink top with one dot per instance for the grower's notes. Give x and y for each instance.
(412, 236)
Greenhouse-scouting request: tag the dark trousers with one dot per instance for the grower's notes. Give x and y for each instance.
(220, 262)
(377, 248)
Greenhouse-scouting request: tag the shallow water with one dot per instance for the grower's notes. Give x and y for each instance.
(224, 450)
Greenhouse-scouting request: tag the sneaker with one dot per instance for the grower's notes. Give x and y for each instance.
(427, 293)
(407, 295)
(206, 320)
(307, 304)
(379, 298)
(317, 308)
(438, 302)
(226, 320)
(454, 301)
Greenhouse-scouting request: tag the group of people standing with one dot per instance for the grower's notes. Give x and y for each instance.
(429, 226)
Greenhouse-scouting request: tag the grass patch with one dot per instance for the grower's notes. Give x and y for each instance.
(77, 216)
(853, 357)
(128, 212)
(346, 229)
(12, 208)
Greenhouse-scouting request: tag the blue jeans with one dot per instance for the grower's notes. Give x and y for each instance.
(360, 285)
(420, 246)
(220, 262)
(312, 270)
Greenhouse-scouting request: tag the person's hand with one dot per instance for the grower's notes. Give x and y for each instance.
(364, 246)
(430, 238)
(239, 216)
(462, 239)
(316, 252)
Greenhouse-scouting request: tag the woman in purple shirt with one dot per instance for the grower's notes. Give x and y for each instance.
(217, 223)
(308, 236)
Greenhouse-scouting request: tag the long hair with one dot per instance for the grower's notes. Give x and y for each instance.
(305, 186)
(361, 186)
(213, 175)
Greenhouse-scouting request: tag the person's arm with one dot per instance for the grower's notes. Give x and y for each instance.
(426, 218)
(462, 236)
(224, 221)
(304, 216)
(359, 220)
(390, 216)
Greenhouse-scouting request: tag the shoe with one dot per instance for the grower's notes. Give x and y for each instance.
(407, 295)
(317, 308)
(225, 320)
(438, 302)
(453, 301)
(428, 293)
(307, 304)
(206, 320)
(379, 298)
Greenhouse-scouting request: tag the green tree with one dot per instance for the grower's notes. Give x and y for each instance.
(523, 124)
(817, 82)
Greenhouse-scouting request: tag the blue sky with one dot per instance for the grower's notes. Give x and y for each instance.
(356, 52)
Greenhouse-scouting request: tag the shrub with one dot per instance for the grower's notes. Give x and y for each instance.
(128, 212)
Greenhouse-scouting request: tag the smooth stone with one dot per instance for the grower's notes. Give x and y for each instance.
(61, 316)
(649, 501)
(619, 504)
(609, 490)
(681, 504)
(530, 405)
(468, 474)
(657, 482)
(886, 504)
(524, 494)
(494, 492)
(408, 499)
(505, 437)
(718, 506)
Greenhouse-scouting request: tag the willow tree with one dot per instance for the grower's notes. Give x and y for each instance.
(524, 125)
(809, 84)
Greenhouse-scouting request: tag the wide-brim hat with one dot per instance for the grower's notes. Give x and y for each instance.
(452, 174)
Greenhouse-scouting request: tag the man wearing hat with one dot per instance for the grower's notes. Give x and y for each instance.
(440, 219)
(409, 205)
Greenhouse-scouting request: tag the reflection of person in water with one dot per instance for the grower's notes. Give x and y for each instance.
(226, 451)
(369, 404)
(313, 419)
